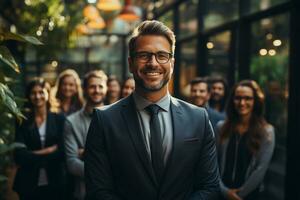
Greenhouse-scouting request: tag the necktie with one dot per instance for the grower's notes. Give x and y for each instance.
(156, 142)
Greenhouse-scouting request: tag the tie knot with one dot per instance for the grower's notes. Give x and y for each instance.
(153, 109)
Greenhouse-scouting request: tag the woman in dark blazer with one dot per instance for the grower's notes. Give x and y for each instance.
(40, 173)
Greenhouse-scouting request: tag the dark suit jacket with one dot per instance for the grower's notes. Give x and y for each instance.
(214, 116)
(117, 165)
(29, 164)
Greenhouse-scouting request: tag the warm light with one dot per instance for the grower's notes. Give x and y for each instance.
(82, 29)
(13, 29)
(28, 2)
(109, 5)
(97, 23)
(272, 52)
(263, 52)
(277, 43)
(90, 12)
(269, 36)
(54, 63)
(39, 33)
(129, 12)
(210, 45)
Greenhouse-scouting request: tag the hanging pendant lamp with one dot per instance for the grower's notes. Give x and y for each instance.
(90, 12)
(129, 12)
(109, 5)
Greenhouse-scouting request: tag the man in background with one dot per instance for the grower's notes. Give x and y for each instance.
(76, 128)
(200, 94)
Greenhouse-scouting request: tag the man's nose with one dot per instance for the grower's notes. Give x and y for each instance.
(152, 59)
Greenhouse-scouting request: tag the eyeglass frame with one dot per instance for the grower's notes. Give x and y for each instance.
(150, 54)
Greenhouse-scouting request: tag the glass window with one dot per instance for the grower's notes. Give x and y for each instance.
(217, 12)
(218, 54)
(167, 19)
(262, 4)
(188, 66)
(188, 18)
(269, 67)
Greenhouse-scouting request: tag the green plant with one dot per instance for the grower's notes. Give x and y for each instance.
(8, 105)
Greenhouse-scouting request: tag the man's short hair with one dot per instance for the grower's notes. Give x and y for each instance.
(94, 74)
(151, 27)
(198, 80)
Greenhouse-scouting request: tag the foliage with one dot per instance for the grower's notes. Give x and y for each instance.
(8, 105)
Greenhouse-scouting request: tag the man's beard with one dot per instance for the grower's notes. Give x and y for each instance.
(143, 85)
(95, 103)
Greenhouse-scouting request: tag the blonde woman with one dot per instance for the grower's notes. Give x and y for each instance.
(68, 92)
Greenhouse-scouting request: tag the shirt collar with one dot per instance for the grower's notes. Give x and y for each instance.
(141, 103)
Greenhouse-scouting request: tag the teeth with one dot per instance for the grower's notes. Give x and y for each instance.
(152, 73)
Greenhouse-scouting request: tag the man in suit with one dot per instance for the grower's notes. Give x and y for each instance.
(76, 128)
(200, 94)
(150, 145)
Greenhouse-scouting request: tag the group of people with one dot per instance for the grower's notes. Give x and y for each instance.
(147, 145)
(244, 140)
(52, 136)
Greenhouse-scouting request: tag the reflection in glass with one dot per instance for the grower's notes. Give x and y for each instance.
(188, 66)
(263, 4)
(218, 58)
(217, 12)
(188, 18)
(269, 67)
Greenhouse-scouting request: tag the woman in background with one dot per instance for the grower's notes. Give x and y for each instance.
(40, 173)
(128, 87)
(246, 143)
(68, 92)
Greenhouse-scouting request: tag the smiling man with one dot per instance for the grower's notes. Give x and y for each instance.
(200, 94)
(150, 145)
(76, 128)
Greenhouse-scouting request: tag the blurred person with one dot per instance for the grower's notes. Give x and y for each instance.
(246, 143)
(68, 91)
(40, 172)
(128, 87)
(151, 145)
(219, 90)
(199, 96)
(113, 90)
(76, 128)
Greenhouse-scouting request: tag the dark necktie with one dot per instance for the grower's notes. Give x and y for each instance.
(156, 142)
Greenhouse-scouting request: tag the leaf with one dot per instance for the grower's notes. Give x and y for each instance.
(20, 37)
(6, 57)
(7, 99)
(4, 148)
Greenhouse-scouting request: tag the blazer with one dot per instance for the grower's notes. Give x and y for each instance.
(118, 167)
(75, 131)
(29, 164)
(258, 165)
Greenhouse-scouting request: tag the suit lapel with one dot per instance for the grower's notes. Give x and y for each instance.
(130, 117)
(178, 130)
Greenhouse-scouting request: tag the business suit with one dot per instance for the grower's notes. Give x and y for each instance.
(29, 164)
(118, 167)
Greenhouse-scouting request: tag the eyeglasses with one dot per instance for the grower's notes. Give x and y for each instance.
(161, 57)
(240, 98)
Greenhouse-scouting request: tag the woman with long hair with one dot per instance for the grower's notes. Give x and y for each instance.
(40, 173)
(245, 143)
(68, 92)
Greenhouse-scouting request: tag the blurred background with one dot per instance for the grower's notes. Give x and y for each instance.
(235, 39)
